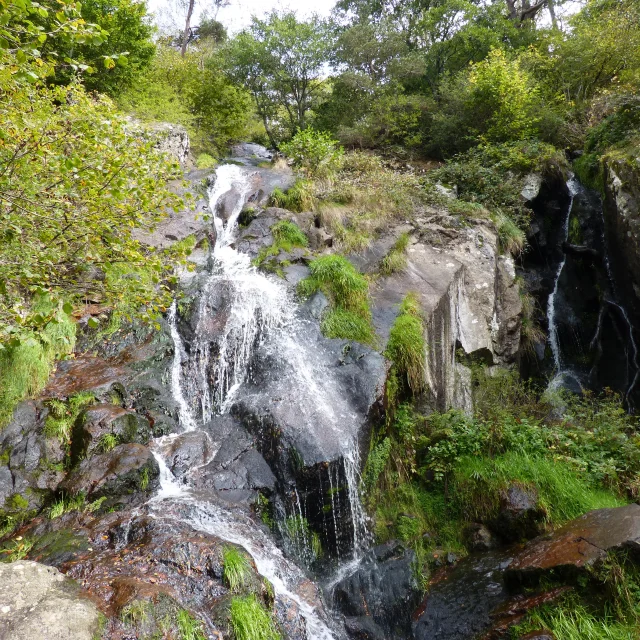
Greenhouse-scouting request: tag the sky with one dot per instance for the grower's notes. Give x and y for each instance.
(238, 15)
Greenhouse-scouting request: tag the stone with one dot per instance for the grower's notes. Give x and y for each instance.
(127, 469)
(319, 239)
(578, 545)
(102, 419)
(383, 587)
(479, 538)
(538, 634)
(531, 189)
(40, 602)
(363, 628)
(520, 517)
(188, 450)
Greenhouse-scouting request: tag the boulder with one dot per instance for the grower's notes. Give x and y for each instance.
(531, 189)
(126, 470)
(40, 602)
(107, 419)
(186, 451)
(479, 538)
(384, 589)
(520, 516)
(363, 628)
(573, 548)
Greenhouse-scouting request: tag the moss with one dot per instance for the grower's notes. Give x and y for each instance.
(251, 621)
(298, 198)
(348, 293)
(286, 236)
(396, 259)
(16, 502)
(406, 345)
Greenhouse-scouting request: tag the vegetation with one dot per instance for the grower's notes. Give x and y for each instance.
(286, 236)
(236, 569)
(348, 293)
(305, 542)
(396, 259)
(63, 415)
(251, 621)
(314, 152)
(189, 628)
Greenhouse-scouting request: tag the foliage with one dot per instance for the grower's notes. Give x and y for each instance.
(281, 62)
(236, 569)
(314, 152)
(108, 442)
(286, 235)
(189, 627)
(65, 504)
(27, 358)
(348, 293)
(63, 415)
(298, 198)
(205, 161)
(305, 541)
(17, 549)
(251, 621)
(406, 345)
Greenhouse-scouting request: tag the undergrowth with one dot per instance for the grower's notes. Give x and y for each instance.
(347, 290)
(396, 259)
(287, 235)
(63, 415)
(251, 621)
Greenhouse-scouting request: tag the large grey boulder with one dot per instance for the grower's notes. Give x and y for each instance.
(39, 602)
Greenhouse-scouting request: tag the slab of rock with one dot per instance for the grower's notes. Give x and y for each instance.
(127, 469)
(578, 545)
(39, 602)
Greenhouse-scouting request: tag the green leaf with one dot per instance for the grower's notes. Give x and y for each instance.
(93, 323)
(67, 307)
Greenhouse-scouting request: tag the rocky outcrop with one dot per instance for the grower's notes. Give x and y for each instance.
(40, 602)
(469, 298)
(172, 139)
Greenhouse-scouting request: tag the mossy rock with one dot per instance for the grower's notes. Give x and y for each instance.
(57, 547)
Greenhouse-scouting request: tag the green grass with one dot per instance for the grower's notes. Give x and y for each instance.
(26, 366)
(406, 345)
(205, 161)
(305, 540)
(511, 237)
(189, 627)
(348, 293)
(286, 236)
(298, 198)
(108, 442)
(236, 570)
(396, 259)
(563, 494)
(136, 613)
(65, 504)
(251, 621)
(17, 549)
(63, 415)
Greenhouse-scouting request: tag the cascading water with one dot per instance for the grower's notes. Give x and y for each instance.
(573, 185)
(259, 314)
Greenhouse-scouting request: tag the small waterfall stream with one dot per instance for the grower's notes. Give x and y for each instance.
(205, 382)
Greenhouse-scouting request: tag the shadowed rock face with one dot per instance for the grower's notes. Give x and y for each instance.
(40, 602)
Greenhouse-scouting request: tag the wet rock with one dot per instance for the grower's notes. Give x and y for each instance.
(363, 628)
(187, 451)
(39, 602)
(520, 516)
(128, 469)
(581, 543)
(538, 634)
(479, 538)
(383, 587)
(107, 419)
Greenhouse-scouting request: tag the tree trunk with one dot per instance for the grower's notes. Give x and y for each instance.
(552, 13)
(187, 28)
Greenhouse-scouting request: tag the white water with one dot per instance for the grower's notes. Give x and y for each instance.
(574, 187)
(260, 311)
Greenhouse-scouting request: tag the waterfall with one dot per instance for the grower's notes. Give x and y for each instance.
(260, 313)
(574, 187)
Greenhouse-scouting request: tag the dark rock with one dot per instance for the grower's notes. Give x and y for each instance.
(363, 628)
(102, 419)
(187, 450)
(127, 469)
(479, 538)
(520, 516)
(581, 543)
(319, 239)
(538, 634)
(383, 587)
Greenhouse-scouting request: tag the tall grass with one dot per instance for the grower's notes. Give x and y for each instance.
(236, 568)
(251, 621)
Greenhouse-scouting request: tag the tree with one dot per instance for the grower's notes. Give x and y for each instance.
(187, 34)
(281, 61)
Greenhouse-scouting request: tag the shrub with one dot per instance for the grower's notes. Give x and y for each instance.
(406, 345)
(314, 152)
(251, 621)
(348, 294)
(236, 568)
(205, 161)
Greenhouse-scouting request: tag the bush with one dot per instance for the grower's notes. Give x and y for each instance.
(314, 152)
(251, 621)
(205, 161)
(348, 293)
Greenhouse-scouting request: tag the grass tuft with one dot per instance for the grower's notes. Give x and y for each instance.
(251, 621)
(65, 504)
(348, 293)
(298, 198)
(406, 345)
(396, 259)
(189, 627)
(236, 569)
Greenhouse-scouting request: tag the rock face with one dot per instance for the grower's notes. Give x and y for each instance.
(378, 598)
(173, 140)
(469, 299)
(40, 602)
